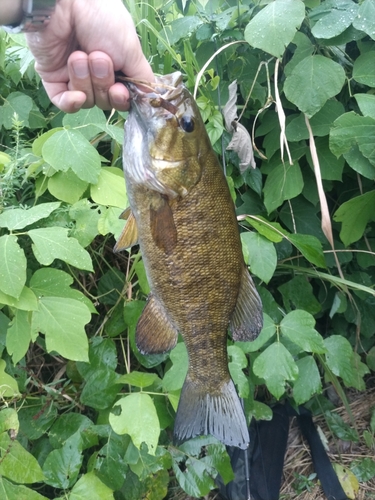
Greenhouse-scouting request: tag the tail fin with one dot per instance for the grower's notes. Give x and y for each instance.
(219, 414)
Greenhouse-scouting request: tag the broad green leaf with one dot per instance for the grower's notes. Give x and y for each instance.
(260, 255)
(237, 363)
(355, 214)
(52, 282)
(9, 420)
(63, 321)
(69, 149)
(70, 424)
(8, 385)
(338, 356)
(52, 243)
(340, 428)
(298, 294)
(331, 167)
(335, 21)
(37, 418)
(26, 302)
(89, 487)
(196, 478)
(351, 129)
(283, 183)
(19, 335)
(175, 376)
(267, 332)
(17, 464)
(365, 20)
(359, 163)
(363, 469)
(308, 382)
(298, 326)
(364, 69)
(274, 27)
(110, 188)
(10, 491)
(304, 48)
(301, 217)
(270, 230)
(111, 465)
(15, 103)
(276, 366)
(138, 418)
(86, 217)
(260, 411)
(67, 186)
(39, 141)
(18, 218)
(138, 379)
(110, 222)
(310, 247)
(87, 121)
(366, 103)
(312, 82)
(100, 389)
(12, 266)
(218, 458)
(62, 466)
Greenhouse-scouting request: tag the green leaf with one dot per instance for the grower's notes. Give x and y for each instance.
(218, 458)
(9, 420)
(18, 218)
(298, 326)
(274, 27)
(87, 121)
(10, 491)
(237, 363)
(8, 385)
(26, 302)
(363, 469)
(351, 129)
(36, 419)
(364, 69)
(19, 335)
(355, 214)
(196, 478)
(283, 183)
(275, 365)
(139, 419)
(70, 424)
(62, 466)
(17, 464)
(101, 389)
(15, 103)
(298, 294)
(67, 186)
(138, 379)
(86, 217)
(175, 376)
(335, 21)
(338, 356)
(12, 266)
(110, 222)
(340, 428)
(331, 168)
(310, 247)
(365, 20)
(308, 382)
(90, 487)
(270, 230)
(260, 255)
(110, 188)
(62, 320)
(366, 103)
(312, 82)
(69, 149)
(52, 243)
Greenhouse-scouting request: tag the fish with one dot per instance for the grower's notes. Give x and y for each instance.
(183, 218)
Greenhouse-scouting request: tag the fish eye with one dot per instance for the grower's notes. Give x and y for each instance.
(187, 123)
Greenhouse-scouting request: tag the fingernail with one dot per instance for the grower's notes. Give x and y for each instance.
(81, 69)
(100, 68)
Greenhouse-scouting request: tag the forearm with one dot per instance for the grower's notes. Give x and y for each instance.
(10, 11)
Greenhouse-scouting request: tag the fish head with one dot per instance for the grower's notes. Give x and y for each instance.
(164, 138)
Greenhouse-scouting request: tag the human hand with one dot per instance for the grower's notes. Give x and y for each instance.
(77, 53)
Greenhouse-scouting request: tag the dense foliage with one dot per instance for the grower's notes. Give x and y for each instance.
(81, 408)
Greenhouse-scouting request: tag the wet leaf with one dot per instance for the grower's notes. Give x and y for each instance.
(12, 266)
(110, 188)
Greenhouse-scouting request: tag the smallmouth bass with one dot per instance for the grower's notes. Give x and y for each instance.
(183, 218)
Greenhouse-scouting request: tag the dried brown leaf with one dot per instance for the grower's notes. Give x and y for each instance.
(241, 144)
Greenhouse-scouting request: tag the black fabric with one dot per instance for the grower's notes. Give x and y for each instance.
(258, 470)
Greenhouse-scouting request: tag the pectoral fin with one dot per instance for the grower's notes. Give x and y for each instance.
(129, 235)
(163, 228)
(247, 319)
(155, 333)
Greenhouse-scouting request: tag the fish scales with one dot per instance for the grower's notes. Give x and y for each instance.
(184, 220)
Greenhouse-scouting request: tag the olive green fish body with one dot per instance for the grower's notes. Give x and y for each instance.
(188, 235)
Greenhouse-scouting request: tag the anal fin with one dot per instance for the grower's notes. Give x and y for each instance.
(247, 318)
(129, 235)
(155, 333)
